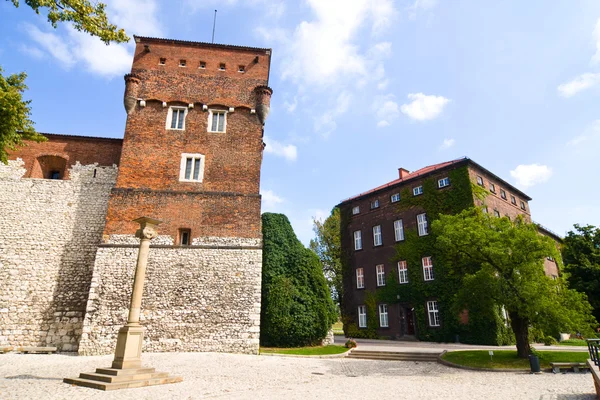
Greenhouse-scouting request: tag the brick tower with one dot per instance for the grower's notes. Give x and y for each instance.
(191, 157)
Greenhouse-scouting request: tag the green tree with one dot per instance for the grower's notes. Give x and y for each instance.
(327, 245)
(581, 255)
(296, 309)
(501, 263)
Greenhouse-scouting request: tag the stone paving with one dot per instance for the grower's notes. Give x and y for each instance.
(231, 376)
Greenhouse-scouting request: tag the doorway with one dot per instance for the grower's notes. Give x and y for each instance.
(407, 320)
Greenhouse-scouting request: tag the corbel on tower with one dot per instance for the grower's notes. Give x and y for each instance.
(132, 89)
(263, 102)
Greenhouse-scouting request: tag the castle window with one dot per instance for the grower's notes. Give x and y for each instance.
(217, 121)
(380, 275)
(479, 180)
(383, 315)
(497, 213)
(433, 313)
(192, 168)
(185, 237)
(513, 200)
(222, 67)
(402, 272)
(422, 224)
(375, 204)
(357, 240)
(427, 268)
(443, 182)
(182, 63)
(202, 64)
(377, 236)
(362, 316)
(417, 190)
(398, 230)
(492, 188)
(56, 174)
(522, 205)
(395, 198)
(503, 194)
(241, 68)
(360, 278)
(162, 61)
(355, 210)
(49, 167)
(176, 118)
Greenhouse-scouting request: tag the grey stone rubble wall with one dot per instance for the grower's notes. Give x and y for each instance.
(49, 231)
(195, 299)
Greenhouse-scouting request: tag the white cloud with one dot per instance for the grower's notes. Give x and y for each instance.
(424, 107)
(386, 110)
(325, 123)
(383, 84)
(591, 133)
(290, 107)
(420, 5)
(532, 174)
(52, 43)
(447, 143)
(596, 56)
(270, 200)
(289, 152)
(109, 61)
(32, 51)
(135, 16)
(578, 84)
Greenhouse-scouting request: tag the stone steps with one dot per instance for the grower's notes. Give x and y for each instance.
(394, 356)
(113, 379)
(33, 349)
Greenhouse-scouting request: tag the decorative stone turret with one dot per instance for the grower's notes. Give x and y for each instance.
(263, 102)
(132, 88)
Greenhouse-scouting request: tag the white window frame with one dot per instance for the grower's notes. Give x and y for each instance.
(182, 166)
(398, 230)
(358, 240)
(383, 316)
(170, 118)
(355, 210)
(362, 316)
(523, 206)
(442, 183)
(395, 198)
(380, 270)
(422, 224)
(375, 204)
(418, 190)
(211, 112)
(402, 272)
(377, 238)
(360, 278)
(480, 180)
(496, 213)
(427, 268)
(503, 194)
(492, 188)
(433, 313)
(513, 200)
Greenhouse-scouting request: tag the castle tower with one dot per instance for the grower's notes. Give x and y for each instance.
(191, 157)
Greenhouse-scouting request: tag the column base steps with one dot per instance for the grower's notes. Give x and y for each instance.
(113, 379)
(394, 356)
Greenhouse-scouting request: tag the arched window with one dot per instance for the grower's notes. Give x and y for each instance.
(49, 167)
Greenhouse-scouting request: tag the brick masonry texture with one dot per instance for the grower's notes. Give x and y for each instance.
(49, 231)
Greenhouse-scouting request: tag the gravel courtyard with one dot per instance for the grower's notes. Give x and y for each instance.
(229, 376)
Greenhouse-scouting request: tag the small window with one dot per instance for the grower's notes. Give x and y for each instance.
(522, 205)
(479, 180)
(185, 237)
(398, 230)
(355, 210)
(182, 63)
(176, 118)
(433, 313)
(443, 182)
(217, 121)
(422, 224)
(427, 268)
(241, 68)
(162, 61)
(484, 209)
(202, 65)
(503, 194)
(357, 240)
(418, 190)
(222, 67)
(380, 275)
(492, 188)
(402, 272)
(362, 316)
(375, 204)
(55, 174)
(383, 315)
(360, 278)
(377, 241)
(496, 213)
(192, 168)
(395, 198)
(513, 200)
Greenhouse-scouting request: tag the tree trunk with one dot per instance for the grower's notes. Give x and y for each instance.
(520, 327)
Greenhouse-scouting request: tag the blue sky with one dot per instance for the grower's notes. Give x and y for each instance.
(362, 88)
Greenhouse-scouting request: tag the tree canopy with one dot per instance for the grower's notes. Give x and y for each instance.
(327, 245)
(501, 263)
(297, 309)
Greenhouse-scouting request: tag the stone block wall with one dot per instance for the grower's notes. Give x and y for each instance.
(49, 231)
(204, 297)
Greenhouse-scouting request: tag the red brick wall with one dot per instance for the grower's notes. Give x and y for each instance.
(86, 150)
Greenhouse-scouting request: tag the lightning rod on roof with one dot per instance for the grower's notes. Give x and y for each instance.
(214, 24)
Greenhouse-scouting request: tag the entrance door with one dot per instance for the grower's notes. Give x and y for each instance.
(410, 321)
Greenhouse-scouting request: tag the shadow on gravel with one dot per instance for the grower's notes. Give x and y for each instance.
(33, 377)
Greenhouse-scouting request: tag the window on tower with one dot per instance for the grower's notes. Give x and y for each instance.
(176, 118)
(191, 168)
(217, 120)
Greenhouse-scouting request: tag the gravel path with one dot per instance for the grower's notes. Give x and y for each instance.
(230, 376)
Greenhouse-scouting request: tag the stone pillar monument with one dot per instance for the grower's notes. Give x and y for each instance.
(126, 370)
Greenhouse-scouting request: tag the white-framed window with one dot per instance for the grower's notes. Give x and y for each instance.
(513, 199)
(433, 313)
(380, 275)
(402, 272)
(176, 118)
(427, 268)
(417, 190)
(383, 316)
(185, 236)
(443, 182)
(492, 188)
(362, 316)
(395, 198)
(377, 235)
(422, 224)
(375, 204)
(191, 168)
(503, 194)
(360, 278)
(479, 180)
(357, 240)
(398, 230)
(484, 209)
(355, 210)
(497, 213)
(522, 205)
(217, 120)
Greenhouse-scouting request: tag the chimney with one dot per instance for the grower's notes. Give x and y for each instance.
(403, 173)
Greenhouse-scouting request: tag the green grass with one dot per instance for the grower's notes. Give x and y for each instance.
(305, 351)
(507, 359)
(338, 328)
(573, 342)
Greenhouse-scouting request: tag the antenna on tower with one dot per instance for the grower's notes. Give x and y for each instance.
(214, 25)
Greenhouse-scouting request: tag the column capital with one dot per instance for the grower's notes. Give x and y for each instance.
(148, 228)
